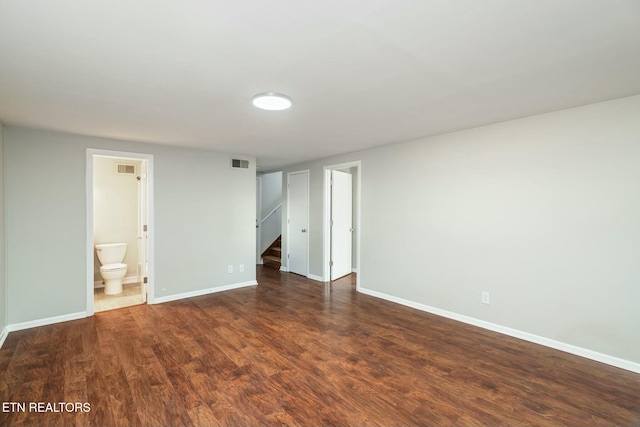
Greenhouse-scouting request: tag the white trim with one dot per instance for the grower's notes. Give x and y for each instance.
(89, 219)
(283, 268)
(354, 270)
(308, 173)
(46, 321)
(547, 342)
(316, 278)
(160, 300)
(89, 230)
(326, 216)
(4, 335)
(258, 215)
(326, 221)
(5, 262)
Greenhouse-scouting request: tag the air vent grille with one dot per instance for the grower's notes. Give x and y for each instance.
(127, 169)
(240, 164)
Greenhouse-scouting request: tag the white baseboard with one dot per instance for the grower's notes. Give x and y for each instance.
(3, 335)
(283, 268)
(316, 278)
(125, 281)
(160, 300)
(354, 270)
(558, 345)
(47, 321)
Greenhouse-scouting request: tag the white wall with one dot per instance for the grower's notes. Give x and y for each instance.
(271, 191)
(3, 270)
(115, 209)
(204, 220)
(542, 212)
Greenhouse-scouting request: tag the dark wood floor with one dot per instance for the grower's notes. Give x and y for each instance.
(296, 352)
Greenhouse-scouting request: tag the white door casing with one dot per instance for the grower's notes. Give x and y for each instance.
(148, 263)
(298, 222)
(356, 174)
(341, 224)
(258, 219)
(143, 229)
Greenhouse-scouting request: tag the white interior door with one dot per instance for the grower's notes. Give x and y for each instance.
(341, 224)
(143, 227)
(298, 222)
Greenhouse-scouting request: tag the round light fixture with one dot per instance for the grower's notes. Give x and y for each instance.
(272, 101)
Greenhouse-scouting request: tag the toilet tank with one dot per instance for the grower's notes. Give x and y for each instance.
(111, 253)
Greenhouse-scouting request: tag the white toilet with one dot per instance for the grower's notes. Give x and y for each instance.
(112, 270)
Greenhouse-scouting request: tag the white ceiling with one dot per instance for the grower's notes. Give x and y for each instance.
(361, 73)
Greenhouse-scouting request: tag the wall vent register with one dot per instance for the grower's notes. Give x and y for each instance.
(240, 164)
(126, 169)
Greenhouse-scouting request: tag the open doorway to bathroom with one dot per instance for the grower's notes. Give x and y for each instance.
(341, 239)
(119, 215)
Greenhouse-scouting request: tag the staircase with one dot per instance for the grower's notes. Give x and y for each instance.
(272, 257)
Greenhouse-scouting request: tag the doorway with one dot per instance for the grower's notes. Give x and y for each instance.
(119, 211)
(342, 220)
(258, 219)
(341, 224)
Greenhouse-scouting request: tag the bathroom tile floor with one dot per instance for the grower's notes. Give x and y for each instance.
(130, 296)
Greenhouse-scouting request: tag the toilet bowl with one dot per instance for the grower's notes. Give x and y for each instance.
(112, 269)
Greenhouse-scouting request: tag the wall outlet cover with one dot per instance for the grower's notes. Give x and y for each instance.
(486, 298)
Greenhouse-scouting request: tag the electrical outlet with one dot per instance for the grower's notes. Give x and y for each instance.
(230, 268)
(241, 268)
(486, 299)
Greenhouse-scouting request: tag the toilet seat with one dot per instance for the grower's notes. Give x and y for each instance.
(113, 267)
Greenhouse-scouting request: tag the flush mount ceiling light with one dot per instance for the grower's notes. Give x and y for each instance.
(272, 101)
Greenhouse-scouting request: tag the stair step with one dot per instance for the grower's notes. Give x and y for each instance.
(274, 250)
(271, 261)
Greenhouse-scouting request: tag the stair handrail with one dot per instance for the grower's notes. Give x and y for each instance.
(271, 213)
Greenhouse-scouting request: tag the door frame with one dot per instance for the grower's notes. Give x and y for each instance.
(305, 171)
(90, 153)
(258, 219)
(143, 227)
(326, 220)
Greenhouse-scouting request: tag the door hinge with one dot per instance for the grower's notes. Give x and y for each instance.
(144, 227)
(145, 280)
(330, 263)
(287, 256)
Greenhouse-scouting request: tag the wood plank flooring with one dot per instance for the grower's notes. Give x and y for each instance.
(297, 352)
